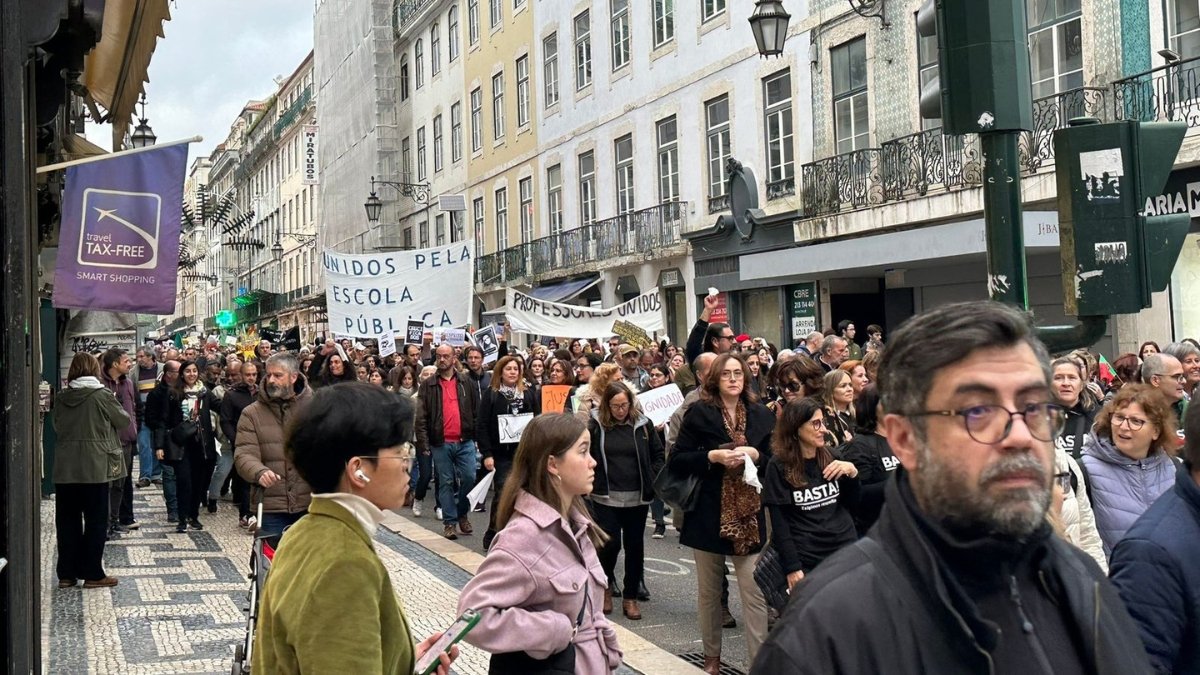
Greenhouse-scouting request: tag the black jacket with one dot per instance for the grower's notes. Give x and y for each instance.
(170, 415)
(695, 342)
(430, 393)
(491, 407)
(235, 401)
(647, 445)
(890, 595)
(1078, 424)
(703, 429)
(154, 410)
(872, 455)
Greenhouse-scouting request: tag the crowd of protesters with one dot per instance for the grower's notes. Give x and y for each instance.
(856, 445)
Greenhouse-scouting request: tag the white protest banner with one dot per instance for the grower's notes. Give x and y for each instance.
(527, 314)
(450, 336)
(368, 295)
(387, 344)
(512, 426)
(659, 404)
(485, 339)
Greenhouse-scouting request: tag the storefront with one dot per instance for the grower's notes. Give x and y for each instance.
(1183, 195)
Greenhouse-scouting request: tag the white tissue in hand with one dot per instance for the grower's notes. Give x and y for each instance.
(750, 473)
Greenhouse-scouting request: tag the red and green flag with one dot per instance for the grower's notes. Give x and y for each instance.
(1107, 374)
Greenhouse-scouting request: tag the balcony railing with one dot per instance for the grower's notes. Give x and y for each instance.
(915, 165)
(289, 116)
(1168, 93)
(640, 233)
(407, 10)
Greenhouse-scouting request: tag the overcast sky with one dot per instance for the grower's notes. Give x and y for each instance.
(215, 56)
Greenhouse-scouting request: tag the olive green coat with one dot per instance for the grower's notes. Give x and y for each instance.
(88, 450)
(328, 605)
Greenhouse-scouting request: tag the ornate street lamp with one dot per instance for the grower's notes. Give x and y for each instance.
(418, 191)
(769, 23)
(277, 250)
(373, 206)
(142, 136)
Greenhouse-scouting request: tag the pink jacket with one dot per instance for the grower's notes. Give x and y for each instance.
(530, 586)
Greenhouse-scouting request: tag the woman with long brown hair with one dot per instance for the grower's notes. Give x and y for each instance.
(542, 566)
(809, 492)
(719, 433)
(838, 398)
(508, 397)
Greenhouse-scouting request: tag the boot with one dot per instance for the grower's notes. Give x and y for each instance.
(608, 601)
(631, 609)
(712, 665)
(643, 593)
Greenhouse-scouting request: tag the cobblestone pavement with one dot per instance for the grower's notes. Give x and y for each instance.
(179, 606)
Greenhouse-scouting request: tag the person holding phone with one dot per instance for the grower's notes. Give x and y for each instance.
(328, 605)
(540, 589)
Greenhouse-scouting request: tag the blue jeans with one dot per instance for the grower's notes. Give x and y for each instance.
(275, 523)
(148, 466)
(455, 465)
(221, 472)
(169, 489)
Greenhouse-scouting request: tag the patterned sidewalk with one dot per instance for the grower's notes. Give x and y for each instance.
(179, 605)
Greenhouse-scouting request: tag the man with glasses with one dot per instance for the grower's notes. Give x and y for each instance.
(1165, 373)
(962, 573)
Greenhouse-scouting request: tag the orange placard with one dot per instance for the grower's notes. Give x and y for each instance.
(554, 397)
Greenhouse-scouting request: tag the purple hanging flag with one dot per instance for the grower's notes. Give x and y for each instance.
(118, 247)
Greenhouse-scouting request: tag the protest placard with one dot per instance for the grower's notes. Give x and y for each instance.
(527, 314)
(451, 336)
(485, 339)
(370, 294)
(554, 397)
(659, 404)
(387, 344)
(631, 334)
(512, 426)
(414, 333)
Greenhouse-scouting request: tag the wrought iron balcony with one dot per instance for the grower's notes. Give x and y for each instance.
(407, 10)
(915, 165)
(1169, 93)
(643, 233)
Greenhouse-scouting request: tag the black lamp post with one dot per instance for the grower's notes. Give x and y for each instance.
(769, 23)
(142, 136)
(373, 205)
(277, 250)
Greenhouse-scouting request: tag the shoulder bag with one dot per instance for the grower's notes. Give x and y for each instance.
(681, 492)
(771, 580)
(558, 663)
(178, 440)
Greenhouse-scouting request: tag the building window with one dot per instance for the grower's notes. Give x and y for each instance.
(423, 233)
(477, 224)
(587, 188)
(477, 119)
(452, 35)
(406, 159)
(421, 153)
(418, 60)
(517, 4)
(456, 131)
(620, 33)
(668, 160)
(664, 22)
(851, 121)
(777, 96)
(713, 8)
(404, 77)
(435, 49)
(623, 153)
(457, 229)
(716, 114)
(550, 68)
(523, 91)
(473, 21)
(927, 71)
(501, 219)
(554, 198)
(497, 13)
(583, 50)
(525, 190)
(437, 144)
(498, 106)
(439, 229)
(1056, 42)
(408, 238)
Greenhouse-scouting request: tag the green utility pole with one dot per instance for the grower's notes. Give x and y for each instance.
(1002, 215)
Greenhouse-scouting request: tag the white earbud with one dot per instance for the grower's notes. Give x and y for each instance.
(362, 476)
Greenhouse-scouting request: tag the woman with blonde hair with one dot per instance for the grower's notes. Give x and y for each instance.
(590, 395)
(838, 398)
(539, 590)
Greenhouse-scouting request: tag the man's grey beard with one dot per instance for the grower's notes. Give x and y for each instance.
(947, 496)
(275, 391)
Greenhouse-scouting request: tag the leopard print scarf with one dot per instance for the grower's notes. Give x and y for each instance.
(740, 503)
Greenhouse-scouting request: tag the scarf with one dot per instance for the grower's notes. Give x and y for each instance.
(508, 392)
(740, 503)
(85, 382)
(191, 401)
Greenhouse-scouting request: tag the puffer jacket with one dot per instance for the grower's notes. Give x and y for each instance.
(1123, 488)
(1078, 520)
(260, 447)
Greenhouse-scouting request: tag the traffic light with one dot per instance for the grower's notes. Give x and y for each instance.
(983, 81)
(1113, 256)
(226, 319)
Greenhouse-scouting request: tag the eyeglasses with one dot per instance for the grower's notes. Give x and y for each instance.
(1135, 423)
(619, 406)
(732, 375)
(1178, 378)
(990, 424)
(793, 387)
(818, 423)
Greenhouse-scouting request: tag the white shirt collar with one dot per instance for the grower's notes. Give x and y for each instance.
(367, 514)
